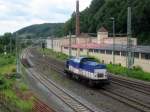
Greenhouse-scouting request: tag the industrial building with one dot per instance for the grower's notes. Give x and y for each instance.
(104, 47)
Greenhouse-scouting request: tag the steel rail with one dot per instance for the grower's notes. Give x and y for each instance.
(124, 99)
(67, 98)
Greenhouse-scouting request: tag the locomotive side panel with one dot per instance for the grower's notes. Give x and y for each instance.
(87, 70)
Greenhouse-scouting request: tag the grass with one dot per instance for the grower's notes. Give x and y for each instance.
(23, 87)
(7, 69)
(136, 72)
(8, 81)
(23, 105)
(5, 83)
(6, 59)
(7, 64)
(133, 73)
(58, 55)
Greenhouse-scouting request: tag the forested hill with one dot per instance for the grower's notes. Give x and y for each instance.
(98, 14)
(41, 30)
(100, 11)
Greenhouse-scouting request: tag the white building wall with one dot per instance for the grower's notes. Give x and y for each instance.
(49, 43)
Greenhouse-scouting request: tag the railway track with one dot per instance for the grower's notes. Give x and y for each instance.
(67, 98)
(132, 102)
(143, 88)
(131, 84)
(120, 97)
(59, 92)
(40, 106)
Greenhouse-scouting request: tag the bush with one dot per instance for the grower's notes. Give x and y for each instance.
(6, 60)
(138, 68)
(137, 73)
(23, 87)
(5, 83)
(14, 70)
(2, 83)
(23, 105)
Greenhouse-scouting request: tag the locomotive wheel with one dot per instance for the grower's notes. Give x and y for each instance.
(69, 75)
(76, 77)
(90, 82)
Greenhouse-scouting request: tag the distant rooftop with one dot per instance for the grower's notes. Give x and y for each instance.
(102, 29)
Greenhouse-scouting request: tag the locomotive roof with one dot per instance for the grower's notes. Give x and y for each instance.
(77, 59)
(92, 63)
(89, 62)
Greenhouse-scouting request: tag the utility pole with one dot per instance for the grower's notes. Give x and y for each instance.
(10, 44)
(129, 36)
(18, 49)
(17, 53)
(52, 43)
(70, 48)
(113, 28)
(87, 47)
(77, 19)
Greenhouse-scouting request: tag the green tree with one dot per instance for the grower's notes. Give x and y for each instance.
(100, 11)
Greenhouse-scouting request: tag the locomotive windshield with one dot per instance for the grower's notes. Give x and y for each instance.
(89, 59)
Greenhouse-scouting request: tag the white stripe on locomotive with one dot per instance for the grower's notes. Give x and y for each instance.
(89, 74)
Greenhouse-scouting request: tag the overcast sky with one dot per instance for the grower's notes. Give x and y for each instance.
(15, 14)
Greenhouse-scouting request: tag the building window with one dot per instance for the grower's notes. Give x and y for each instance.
(117, 53)
(96, 50)
(136, 55)
(90, 50)
(108, 52)
(145, 56)
(65, 47)
(74, 49)
(102, 51)
(81, 49)
(123, 53)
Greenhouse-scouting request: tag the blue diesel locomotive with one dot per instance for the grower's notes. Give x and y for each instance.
(83, 68)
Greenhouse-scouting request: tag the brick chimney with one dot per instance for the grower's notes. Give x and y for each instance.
(77, 19)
